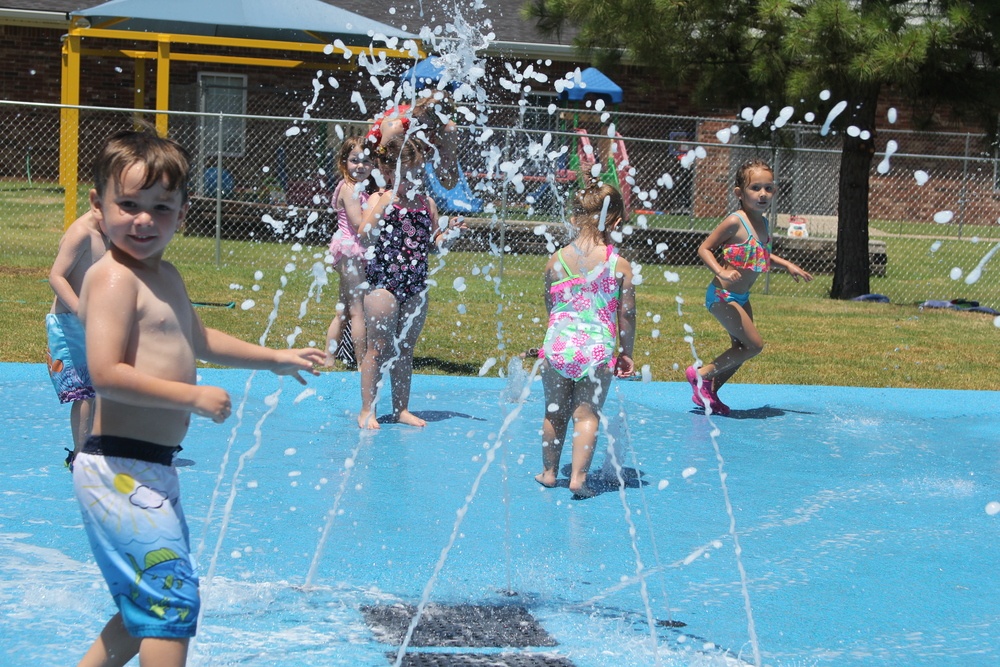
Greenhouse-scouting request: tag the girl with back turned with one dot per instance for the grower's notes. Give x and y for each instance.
(591, 305)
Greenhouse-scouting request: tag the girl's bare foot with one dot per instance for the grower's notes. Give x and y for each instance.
(546, 479)
(367, 420)
(581, 490)
(407, 417)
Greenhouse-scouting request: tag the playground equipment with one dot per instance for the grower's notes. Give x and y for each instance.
(597, 142)
(459, 199)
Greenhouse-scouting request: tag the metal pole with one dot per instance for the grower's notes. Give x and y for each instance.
(694, 174)
(965, 181)
(218, 195)
(503, 205)
(771, 218)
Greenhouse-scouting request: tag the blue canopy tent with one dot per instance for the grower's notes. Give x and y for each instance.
(591, 82)
(426, 74)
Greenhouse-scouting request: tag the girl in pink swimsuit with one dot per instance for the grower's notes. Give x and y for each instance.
(347, 253)
(745, 240)
(591, 304)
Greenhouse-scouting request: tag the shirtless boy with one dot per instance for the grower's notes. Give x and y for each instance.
(143, 340)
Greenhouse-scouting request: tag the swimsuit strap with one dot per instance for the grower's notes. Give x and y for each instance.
(609, 254)
(745, 220)
(336, 192)
(569, 273)
(746, 224)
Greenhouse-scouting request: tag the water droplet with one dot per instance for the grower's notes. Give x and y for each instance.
(459, 284)
(824, 95)
(935, 246)
(956, 273)
(837, 109)
(688, 472)
(663, 484)
(891, 115)
(290, 451)
(921, 176)
(487, 365)
(784, 116)
(306, 393)
(248, 304)
(724, 135)
(943, 217)
(993, 507)
(293, 131)
(761, 115)
(890, 148)
(809, 116)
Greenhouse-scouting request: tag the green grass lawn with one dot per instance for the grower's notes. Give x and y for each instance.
(809, 338)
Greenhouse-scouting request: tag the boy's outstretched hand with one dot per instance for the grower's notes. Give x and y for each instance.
(291, 362)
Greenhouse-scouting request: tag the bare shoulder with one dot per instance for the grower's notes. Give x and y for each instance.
(726, 230)
(553, 262)
(623, 267)
(105, 277)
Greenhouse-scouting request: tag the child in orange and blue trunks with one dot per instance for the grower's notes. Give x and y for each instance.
(143, 340)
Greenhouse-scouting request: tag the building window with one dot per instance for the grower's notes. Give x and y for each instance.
(225, 94)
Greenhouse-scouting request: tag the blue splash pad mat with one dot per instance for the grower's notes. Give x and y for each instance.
(860, 516)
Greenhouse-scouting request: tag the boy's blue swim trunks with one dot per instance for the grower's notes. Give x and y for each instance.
(130, 499)
(68, 357)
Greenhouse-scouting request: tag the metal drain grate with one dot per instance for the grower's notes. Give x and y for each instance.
(471, 626)
(481, 660)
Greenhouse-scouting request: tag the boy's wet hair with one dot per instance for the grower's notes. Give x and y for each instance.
(588, 203)
(164, 158)
(350, 145)
(743, 172)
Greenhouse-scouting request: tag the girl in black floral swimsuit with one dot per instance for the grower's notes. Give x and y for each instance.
(401, 226)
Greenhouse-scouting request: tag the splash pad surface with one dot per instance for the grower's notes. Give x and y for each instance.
(859, 513)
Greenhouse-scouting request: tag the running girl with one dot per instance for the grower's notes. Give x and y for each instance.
(745, 239)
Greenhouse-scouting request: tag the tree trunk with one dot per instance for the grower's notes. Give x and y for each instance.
(852, 272)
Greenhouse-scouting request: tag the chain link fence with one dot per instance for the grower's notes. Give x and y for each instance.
(262, 185)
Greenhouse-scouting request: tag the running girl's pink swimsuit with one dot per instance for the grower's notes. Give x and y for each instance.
(751, 254)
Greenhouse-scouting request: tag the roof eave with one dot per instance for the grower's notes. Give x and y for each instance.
(32, 18)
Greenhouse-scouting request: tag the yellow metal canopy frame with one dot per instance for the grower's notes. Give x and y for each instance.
(163, 53)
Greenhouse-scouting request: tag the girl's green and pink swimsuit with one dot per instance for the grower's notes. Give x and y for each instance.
(583, 324)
